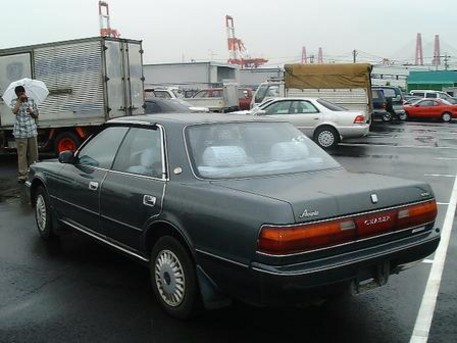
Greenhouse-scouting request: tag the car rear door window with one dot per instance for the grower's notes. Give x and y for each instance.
(141, 153)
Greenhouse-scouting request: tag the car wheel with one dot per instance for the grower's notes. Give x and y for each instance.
(173, 278)
(326, 137)
(403, 116)
(386, 117)
(446, 117)
(43, 214)
(66, 141)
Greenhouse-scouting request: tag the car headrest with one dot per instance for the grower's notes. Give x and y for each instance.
(224, 156)
(285, 151)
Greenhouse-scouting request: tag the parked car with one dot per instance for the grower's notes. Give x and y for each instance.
(172, 93)
(379, 105)
(432, 109)
(223, 207)
(410, 99)
(163, 105)
(394, 102)
(245, 96)
(433, 95)
(323, 121)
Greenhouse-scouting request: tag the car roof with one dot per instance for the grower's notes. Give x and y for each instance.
(185, 119)
(295, 98)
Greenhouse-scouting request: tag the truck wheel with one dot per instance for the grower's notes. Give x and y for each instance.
(403, 116)
(386, 117)
(66, 141)
(446, 117)
(43, 214)
(173, 278)
(326, 137)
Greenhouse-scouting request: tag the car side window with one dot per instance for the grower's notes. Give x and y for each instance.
(141, 153)
(279, 107)
(426, 103)
(303, 107)
(431, 95)
(100, 150)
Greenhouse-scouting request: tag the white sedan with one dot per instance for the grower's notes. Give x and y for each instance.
(323, 121)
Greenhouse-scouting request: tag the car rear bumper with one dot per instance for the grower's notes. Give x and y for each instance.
(301, 283)
(354, 131)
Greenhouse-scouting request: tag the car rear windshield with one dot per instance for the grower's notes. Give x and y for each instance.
(234, 150)
(330, 105)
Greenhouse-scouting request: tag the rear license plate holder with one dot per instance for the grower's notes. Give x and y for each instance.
(379, 277)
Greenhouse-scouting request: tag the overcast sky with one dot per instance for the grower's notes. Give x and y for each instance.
(181, 30)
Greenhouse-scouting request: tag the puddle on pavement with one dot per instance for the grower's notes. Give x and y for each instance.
(13, 193)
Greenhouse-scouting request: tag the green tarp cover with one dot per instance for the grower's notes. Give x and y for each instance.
(328, 76)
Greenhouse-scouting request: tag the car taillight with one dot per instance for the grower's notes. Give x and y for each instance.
(360, 119)
(283, 240)
(383, 105)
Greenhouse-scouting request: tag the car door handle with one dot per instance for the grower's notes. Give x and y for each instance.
(149, 200)
(93, 186)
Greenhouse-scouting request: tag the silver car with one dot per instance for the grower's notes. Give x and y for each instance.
(323, 121)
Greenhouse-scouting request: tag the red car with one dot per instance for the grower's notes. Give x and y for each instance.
(431, 108)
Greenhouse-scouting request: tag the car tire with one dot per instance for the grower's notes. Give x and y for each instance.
(173, 278)
(446, 117)
(386, 117)
(66, 141)
(326, 137)
(43, 216)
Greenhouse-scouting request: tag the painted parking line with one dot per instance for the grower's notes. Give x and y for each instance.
(400, 146)
(424, 317)
(440, 175)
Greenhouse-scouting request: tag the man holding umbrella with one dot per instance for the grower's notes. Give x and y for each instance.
(25, 131)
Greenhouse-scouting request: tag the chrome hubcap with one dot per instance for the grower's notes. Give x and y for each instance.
(325, 138)
(169, 278)
(446, 117)
(40, 212)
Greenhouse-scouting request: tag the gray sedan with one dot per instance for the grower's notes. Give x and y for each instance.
(224, 207)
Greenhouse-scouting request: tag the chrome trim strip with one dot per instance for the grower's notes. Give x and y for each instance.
(349, 215)
(222, 258)
(341, 264)
(104, 241)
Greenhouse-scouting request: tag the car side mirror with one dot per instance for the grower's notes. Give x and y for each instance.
(67, 156)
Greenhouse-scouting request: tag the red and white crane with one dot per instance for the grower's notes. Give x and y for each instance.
(105, 28)
(238, 53)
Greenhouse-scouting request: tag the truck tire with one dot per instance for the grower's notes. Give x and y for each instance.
(403, 116)
(66, 141)
(386, 117)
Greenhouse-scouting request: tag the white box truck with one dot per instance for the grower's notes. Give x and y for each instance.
(90, 81)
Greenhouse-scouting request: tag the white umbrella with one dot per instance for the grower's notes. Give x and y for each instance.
(34, 89)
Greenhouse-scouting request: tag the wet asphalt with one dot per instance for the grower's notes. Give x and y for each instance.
(75, 290)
